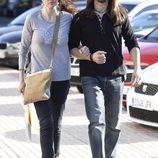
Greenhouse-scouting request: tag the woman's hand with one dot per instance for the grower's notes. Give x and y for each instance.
(84, 50)
(21, 87)
(21, 81)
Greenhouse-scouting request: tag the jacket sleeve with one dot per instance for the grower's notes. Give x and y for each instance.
(25, 42)
(75, 33)
(128, 35)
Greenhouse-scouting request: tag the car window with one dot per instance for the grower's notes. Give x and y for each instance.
(151, 7)
(21, 18)
(153, 35)
(144, 21)
(129, 7)
(80, 4)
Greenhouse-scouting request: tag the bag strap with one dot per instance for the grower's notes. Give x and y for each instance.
(55, 36)
(54, 41)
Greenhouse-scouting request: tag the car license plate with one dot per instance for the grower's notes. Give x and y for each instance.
(126, 89)
(74, 71)
(142, 103)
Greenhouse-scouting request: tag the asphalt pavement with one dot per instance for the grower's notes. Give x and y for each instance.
(136, 141)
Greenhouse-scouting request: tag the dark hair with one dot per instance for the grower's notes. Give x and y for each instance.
(115, 11)
(67, 5)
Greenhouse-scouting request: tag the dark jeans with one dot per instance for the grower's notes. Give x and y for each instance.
(50, 114)
(103, 98)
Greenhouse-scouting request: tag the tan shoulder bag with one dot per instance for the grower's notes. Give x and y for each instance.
(38, 84)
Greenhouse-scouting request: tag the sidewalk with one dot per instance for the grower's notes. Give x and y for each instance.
(136, 141)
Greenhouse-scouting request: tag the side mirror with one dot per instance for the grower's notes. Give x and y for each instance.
(3, 45)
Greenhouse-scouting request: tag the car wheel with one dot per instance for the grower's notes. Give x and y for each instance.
(80, 89)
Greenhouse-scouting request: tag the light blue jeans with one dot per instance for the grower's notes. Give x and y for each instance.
(103, 99)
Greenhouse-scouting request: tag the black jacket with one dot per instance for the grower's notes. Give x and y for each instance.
(103, 36)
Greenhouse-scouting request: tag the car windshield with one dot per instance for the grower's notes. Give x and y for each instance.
(129, 7)
(152, 37)
(144, 21)
(21, 18)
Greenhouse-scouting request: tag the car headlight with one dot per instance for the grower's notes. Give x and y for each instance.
(14, 45)
(3, 45)
(10, 45)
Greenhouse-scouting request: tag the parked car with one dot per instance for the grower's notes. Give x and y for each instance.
(149, 55)
(80, 4)
(16, 7)
(129, 5)
(148, 50)
(17, 23)
(145, 22)
(10, 37)
(9, 48)
(142, 7)
(142, 104)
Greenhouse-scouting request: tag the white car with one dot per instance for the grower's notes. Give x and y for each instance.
(142, 7)
(142, 101)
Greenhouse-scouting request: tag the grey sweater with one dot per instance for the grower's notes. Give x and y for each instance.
(37, 36)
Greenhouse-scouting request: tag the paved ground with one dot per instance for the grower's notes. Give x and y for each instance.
(136, 141)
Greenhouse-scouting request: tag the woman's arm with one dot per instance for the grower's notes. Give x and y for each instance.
(81, 53)
(24, 50)
(21, 81)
